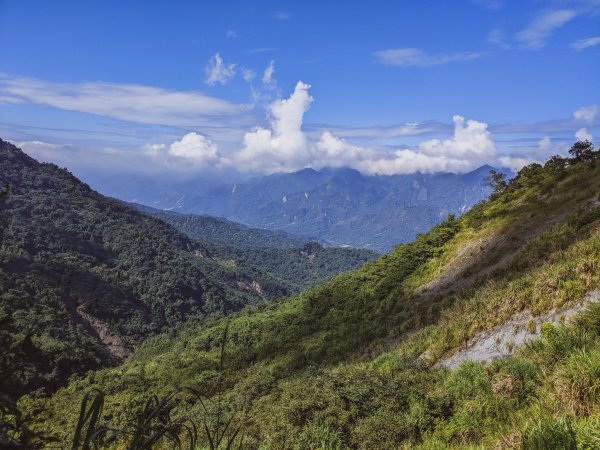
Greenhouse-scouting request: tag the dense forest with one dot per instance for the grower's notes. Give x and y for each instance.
(84, 278)
(295, 262)
(361, 361)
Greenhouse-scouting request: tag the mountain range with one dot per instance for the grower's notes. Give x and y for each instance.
(340, 207)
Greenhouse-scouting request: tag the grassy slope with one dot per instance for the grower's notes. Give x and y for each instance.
(349, 363)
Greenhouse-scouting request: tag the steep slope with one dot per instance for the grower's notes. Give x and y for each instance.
(352, 363)
(292, 263)
(83, 278)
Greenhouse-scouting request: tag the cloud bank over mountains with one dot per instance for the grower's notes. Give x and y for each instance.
(284, 146)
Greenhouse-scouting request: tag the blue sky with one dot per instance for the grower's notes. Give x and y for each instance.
(215, 86)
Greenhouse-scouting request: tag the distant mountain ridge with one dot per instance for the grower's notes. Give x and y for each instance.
(222, 231)
(342, 207)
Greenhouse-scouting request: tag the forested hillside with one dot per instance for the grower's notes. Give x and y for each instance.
(84, 277)
(222, 231)
(296, 264)
(358, 362)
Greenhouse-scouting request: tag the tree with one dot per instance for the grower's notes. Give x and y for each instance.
(556, 165)
(4, 192)
(496, 180)
(582, 151)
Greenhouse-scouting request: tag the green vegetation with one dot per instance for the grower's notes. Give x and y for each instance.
(293, 263)
(83, 278)
(355, 362)
(222, 231)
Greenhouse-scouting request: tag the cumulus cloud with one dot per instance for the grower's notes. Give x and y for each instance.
(470, 146)
(582, 44)
(286, 147)
(535, 34)
(197, 150)
(418, 58)
(583, 135)
(268, 73)
(130, 102)
(586, 114)
(219, 72)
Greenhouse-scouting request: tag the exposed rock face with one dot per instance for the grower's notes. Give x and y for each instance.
(114, 343)
(503, 340)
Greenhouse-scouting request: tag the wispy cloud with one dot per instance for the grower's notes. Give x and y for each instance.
(282, 15)
(417, 58)
(534, 36)
(129, 102)
(489, 4)
(219, 72)
(498, 38)
(248, 74)
(268, 73)
(582, 44)
(261, 50)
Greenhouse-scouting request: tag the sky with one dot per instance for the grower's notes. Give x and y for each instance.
(257, 87)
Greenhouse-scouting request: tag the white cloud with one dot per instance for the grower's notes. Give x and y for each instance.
(470, 146)
(515, 163)
(284, 146)
(248, 75)
(544, 144)
(196, 149)
(535, 34)
(231, 34)
(268, 73)
(219, 72)
(418, 58)
(583, 135)
(282, 15)
(586, 114)
(154, 149)
(582, 44)
(130, 102)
